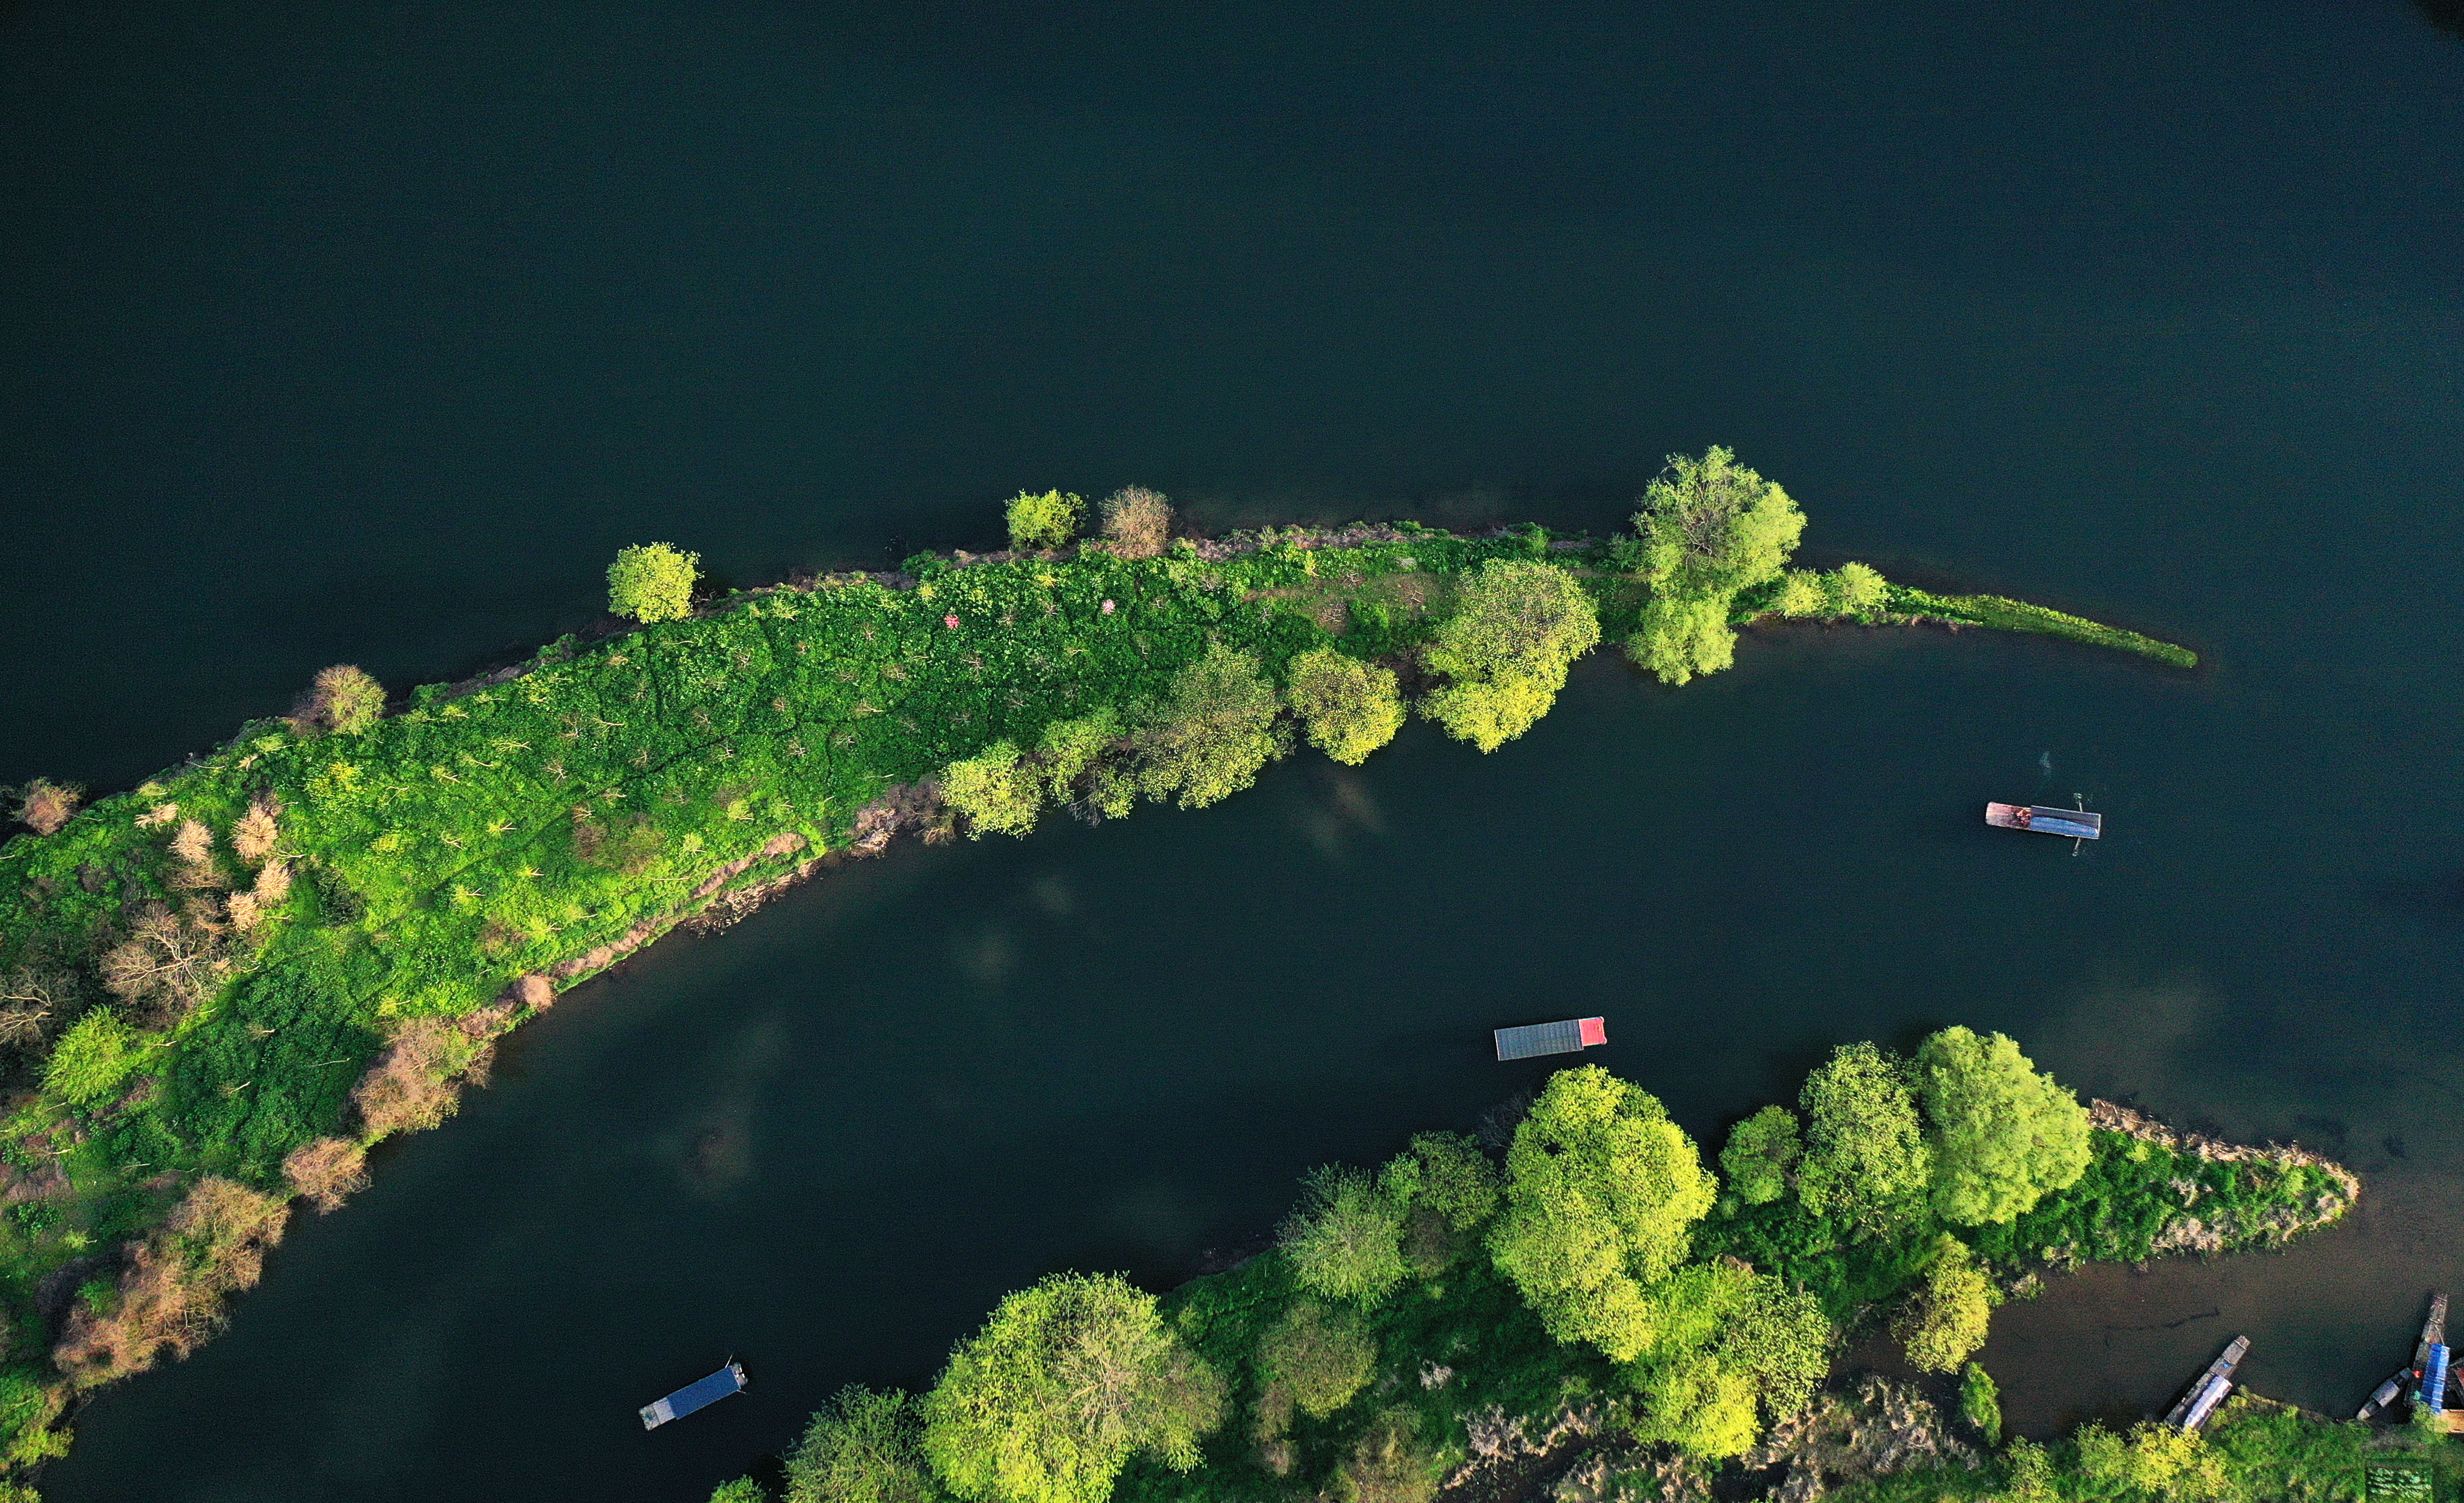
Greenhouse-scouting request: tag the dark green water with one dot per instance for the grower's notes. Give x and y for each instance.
(356, 333)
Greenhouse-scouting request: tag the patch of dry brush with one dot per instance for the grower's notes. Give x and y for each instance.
(417, 1082)
(170, 1295)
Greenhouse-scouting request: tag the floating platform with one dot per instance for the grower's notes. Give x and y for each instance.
(1570, 1037)
(2077, 823)
(2192, 1409)
(693, 1396)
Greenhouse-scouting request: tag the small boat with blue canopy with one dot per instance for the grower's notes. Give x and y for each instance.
(2077, 823)
(698, 1395)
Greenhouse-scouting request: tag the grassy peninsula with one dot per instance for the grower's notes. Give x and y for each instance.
(218, 989)
(1576, 1306)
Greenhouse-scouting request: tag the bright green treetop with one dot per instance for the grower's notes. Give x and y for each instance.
(1321, 1356)
(1060, 1388)
(1714, 526)
(1865, 1160)
(1348, 708)
(1859, 590)
(1761, 1151)
(1601, 1189)
(1346, 1239)
(862, 1448)
(1445, 1175)
(652, 581)
(1048, 520)
(2003, 1134)
(1518, 625)
(995, 789)
(1727, 1337)
(1945, 1319)
(1212, 733)
(744, 1490)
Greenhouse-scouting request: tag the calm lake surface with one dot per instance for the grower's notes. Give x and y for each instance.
(368, 333)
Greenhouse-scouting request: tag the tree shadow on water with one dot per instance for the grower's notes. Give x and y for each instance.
(2448, 16)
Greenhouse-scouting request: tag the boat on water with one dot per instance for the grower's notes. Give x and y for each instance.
(1572, 1036)
(699, 1393)
(2200, 1400)
(2412, 1378)
(2076, 824)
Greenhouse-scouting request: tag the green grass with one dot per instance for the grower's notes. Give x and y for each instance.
(2017, 615)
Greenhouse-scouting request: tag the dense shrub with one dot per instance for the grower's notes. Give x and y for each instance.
(1518, 625)
(43, 805)
(863, 1447)
(1137, 522)
(342, 698)
(1348, 708)
(1047, 520)
(652, 581)
(1320, 1357)
(1345, 1238)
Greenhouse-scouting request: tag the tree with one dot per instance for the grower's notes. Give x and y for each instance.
(43, 805)
(744, 1490)
(1865, 1162)
(1137, 522)
(2003, 1135)
(92, 1059)
(1859, 590)
(1348, 708)
(1387, 1463)
(1517, 626)
(863, 1447)
(995, 789)
(1945, 1319)
(1800, 594)
(1070, 749)
(1447, 1175)
(2157, 1462)
(326, 1171)
(1212, 733)
(1727, 1336)
(652, 581)
(1320, 1357)
(1761, 1150)
(1684, 635)
(1064, 1383)
(1601, 1191)
(1048, 520)
(1711, 526)
(1980, 1403)
(1345, 1238)
(342, 699)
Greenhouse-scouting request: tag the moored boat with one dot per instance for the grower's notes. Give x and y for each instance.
(2076, 824)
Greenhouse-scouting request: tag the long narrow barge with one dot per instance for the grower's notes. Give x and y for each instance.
(2201, 1398)
(2076, 824)
(1571, 1037)
(699, 1393)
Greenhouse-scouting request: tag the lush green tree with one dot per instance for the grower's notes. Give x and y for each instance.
(341, 698)
(1801, 594)
(1761, 1151)
(2156, 1463)
(1865, 1160)
(1447, 1175)
(864, 1447)
(1321, 1356)
(652, 581)
(1137, 521)
(1945, 1318)
(996, 790)
(1349, 708)
(1980, 1403)
(1069, 749)
(1714, 526)
(1212, 733)
(1601, 1191)
(1683, 635)
(1727, 1338)
(1065, 1382)
(1518, 625)
(1857, 589)
(744, 1490)
(2003, 1135)
(93, 1058)
(1345, 1238)
(1048, 520)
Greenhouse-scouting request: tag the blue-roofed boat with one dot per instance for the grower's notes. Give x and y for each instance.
(698, 1395)
(2077, 823)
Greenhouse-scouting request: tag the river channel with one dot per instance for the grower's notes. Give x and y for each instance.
(368, 334)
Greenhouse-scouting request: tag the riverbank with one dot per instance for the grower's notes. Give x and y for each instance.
(231, 981)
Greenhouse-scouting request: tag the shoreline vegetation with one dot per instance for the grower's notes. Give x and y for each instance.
(219, 989)
(1574, 1306)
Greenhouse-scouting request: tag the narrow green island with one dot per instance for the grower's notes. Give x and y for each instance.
(1576, 1308)
(220, 989)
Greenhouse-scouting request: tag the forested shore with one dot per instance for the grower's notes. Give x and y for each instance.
(1574, 1305)
(219, 989)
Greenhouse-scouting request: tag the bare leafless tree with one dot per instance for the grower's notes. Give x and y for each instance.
(44, 806)
(1137, 521)
(169, 961)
